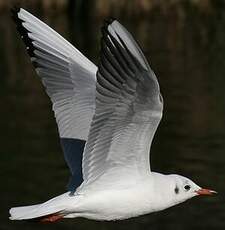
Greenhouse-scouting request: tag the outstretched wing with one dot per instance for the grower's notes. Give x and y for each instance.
(128, 110)
(69, 78)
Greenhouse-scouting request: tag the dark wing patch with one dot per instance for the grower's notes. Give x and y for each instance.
(73, 153)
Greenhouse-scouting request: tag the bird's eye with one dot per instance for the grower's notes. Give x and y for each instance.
(187, 187)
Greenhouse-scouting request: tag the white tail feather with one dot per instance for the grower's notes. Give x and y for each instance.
(32, 212)
(18, 213)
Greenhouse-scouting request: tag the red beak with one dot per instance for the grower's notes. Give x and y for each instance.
(204, 191)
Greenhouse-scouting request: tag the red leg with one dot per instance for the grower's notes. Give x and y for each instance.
(51, 218)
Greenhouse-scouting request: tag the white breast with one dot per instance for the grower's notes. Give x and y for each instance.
(115, 204)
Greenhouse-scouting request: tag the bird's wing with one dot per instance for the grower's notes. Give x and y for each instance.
(70, 81)
(128, 110)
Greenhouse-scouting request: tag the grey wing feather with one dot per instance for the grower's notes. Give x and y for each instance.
(70, 81)
(68, 76)
(128, 110)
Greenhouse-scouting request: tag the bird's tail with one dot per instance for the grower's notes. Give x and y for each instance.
(39, 212)
(20, 212)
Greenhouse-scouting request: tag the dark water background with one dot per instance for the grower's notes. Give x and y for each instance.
(184, 42)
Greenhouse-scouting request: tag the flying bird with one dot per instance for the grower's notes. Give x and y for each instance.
(107, 116)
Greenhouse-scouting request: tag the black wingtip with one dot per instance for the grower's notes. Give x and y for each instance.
(15, 9)
(109, 20)
(14, 12)
(106, 23)
(22, 30)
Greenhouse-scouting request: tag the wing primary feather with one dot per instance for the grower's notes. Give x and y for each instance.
(70, 82)
(137, 64)
(23, 31)
(124, 124)
(110, 68)
(119, 63)
(123, 51)
(109, 55)
(106, 83)
(109, 75)
(119, 51)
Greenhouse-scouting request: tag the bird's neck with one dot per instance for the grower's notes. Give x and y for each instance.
(163, 191)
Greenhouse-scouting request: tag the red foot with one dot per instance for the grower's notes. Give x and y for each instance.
(51, 218)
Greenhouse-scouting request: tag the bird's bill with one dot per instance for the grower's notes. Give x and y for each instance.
(205, 191)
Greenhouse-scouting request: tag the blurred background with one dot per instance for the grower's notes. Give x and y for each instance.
(184, 43)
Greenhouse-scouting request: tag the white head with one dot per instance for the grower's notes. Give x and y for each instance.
(174, 189)
(184, 188)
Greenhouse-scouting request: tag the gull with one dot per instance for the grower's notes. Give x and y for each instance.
(107, 116)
